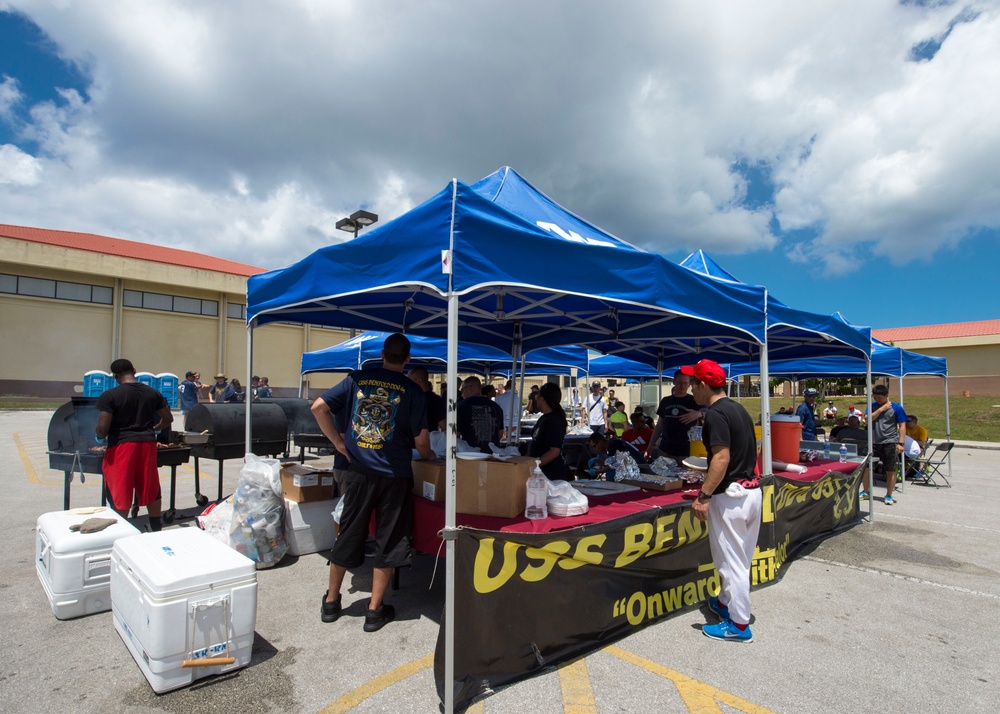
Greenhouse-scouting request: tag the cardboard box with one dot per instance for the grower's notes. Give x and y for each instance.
(485, 488)
(304, 484)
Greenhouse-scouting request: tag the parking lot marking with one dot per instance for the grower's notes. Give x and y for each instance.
(359, 694)
(942, 523)
(29, 470)
(698, 697)
(900, 576)
(577, 694)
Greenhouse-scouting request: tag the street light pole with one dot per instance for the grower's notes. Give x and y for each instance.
(354, 223)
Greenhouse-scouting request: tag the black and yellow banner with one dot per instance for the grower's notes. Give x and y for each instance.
(525, 601)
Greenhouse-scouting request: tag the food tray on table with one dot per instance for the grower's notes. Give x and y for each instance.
(654, 482)
(594, 487)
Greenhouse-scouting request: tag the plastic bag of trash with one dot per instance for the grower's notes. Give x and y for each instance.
(257, 527)
(217, 519)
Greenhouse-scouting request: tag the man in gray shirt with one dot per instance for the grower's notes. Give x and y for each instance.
(888, 435)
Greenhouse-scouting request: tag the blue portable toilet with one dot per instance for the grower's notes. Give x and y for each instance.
(95, 382)
(167, 384)
(147, 378)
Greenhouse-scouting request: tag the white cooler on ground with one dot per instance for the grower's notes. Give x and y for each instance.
(185, 605)
(309, 527)
(75, 568)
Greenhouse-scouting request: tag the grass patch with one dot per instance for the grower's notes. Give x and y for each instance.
(972, 418)
(20, 402)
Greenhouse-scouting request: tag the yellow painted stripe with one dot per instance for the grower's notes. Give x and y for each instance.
(29, 470)
(476, 708)
(698, 696)
(577, 694)
(368, 689)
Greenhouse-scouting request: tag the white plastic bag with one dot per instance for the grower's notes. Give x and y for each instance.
(564, 500)
(257, 527)
(217, 519)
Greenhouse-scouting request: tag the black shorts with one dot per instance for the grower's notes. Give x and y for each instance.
(391, 500)
(886, 454)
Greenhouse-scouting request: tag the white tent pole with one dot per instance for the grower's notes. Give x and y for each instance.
(871, 469)
(765, 404)
(902, 458)
(249, 398)
(947, 420)
(450, 472)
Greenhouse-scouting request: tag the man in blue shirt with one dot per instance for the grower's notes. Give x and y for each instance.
(807, 414)
(189, 392)
(386, 419)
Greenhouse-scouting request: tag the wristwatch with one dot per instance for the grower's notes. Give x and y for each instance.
(702, 496)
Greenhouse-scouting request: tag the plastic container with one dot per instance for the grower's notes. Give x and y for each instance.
(309, 527)
(843, 453)
(182, 596)
(786, 436)
(75, 568)
(536, 507)
(95, 383)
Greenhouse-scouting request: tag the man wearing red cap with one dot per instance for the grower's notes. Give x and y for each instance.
(730, 499)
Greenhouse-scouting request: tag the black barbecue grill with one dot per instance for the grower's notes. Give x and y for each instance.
(302, 426)
(225, 427)
(72, 441)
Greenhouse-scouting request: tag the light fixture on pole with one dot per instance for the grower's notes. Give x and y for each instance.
(358, 220)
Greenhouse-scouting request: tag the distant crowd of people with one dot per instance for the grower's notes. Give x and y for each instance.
(223, 391)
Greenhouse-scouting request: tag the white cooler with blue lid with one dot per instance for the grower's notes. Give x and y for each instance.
(185, 605)
(75, 568)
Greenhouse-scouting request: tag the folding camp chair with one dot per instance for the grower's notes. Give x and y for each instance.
(932, 463)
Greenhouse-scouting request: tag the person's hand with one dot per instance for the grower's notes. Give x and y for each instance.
(690, 416)
(899, 448)
(700, 510)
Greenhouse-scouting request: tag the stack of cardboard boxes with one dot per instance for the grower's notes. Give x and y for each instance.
(484, 488)
(311, 496)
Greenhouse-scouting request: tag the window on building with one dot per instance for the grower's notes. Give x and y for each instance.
(55, 289)
(170, 303)
(235, 311)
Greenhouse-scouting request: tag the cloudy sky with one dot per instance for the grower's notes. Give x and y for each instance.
(845, 154)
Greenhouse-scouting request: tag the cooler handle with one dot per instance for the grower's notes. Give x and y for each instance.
(208, 662)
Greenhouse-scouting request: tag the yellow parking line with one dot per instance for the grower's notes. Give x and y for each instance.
(699, 698)
(29, 470)
(368, 689)
(577, 694)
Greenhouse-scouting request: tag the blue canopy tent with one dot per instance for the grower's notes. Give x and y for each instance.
(365, 349)
(463, 266)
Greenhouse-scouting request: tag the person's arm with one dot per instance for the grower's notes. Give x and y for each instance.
(103, 425)
(901, 444)
(655, 438)
(324, 417)
(166, 418)
(716, 472)
(550, 456)
(422, 442)
(690, 416)
(604, 409)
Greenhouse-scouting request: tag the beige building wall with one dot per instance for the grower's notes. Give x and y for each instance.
(52, 339)
(170, 342)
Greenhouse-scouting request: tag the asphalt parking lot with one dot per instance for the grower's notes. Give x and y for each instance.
(894, 616)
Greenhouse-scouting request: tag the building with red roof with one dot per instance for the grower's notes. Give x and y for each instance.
(73, 302)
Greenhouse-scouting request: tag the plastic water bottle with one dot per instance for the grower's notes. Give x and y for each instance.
(826, 450)
(538, 493)
(843, 453)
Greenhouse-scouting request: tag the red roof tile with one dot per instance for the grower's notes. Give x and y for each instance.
(128, 249)
(938, 332)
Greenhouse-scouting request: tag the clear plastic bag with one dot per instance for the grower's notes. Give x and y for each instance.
(257, 528)
(564, 500)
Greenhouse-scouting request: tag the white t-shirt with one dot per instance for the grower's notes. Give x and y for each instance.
(507, 400)
(595, 414)
(911, 448)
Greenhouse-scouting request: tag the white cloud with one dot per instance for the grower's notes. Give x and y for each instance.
(17, 167)
(247, 130)
(10, 97)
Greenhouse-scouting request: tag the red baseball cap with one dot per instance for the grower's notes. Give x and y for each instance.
(708, 372)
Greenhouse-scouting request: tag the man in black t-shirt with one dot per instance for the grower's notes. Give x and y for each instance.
(436, 409)
(384, 418)
(730, 499)
(129, 417)
(479, 419)
(676, 413)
